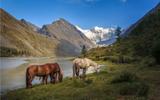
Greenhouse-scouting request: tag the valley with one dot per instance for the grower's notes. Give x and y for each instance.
(131, 62)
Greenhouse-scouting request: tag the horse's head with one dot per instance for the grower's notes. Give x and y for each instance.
(60, 77)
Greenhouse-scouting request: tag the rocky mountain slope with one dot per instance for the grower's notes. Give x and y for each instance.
(71, 39)
(20, 38)
(34, 27)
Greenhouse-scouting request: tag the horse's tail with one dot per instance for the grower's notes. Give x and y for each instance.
(27, 77)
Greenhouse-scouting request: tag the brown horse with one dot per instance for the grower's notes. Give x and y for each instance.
(50, 69)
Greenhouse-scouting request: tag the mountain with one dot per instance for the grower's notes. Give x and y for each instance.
(99, 35)
(142, 40)
(71, 39)
(18, 39)
(132, 27)
(22, 38)
(144, 35)
(34, 27)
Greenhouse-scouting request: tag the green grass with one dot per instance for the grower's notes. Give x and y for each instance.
(99, 86)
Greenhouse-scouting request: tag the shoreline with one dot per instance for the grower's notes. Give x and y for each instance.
(20, 71)
(89, 71)
(37, 84)
(16, 70)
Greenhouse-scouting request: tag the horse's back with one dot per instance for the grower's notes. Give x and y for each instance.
(32, 67)
(52, 65)
(84, 62)
(81, 62)
(38, 69)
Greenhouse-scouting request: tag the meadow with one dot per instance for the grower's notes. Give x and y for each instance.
(129, 81)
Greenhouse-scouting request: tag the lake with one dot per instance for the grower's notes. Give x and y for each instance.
(12, 70)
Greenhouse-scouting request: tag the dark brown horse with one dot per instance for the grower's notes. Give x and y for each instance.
(50, 69)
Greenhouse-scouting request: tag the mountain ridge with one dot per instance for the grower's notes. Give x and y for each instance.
(22, 38)
(67, 33)
(128, 30)
(99, 34)
(143, 41)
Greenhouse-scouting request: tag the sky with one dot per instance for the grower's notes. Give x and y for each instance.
(84, 13)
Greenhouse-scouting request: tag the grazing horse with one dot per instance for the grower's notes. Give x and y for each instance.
(50, 69)
(83, 63)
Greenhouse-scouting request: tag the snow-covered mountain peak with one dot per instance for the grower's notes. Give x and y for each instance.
(98, 34)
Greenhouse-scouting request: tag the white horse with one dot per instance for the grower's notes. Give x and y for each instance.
(83, 63)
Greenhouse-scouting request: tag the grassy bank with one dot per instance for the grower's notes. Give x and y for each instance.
(114, 82)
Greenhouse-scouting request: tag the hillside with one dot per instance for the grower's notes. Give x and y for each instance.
(143, 40)
(132, 27)
(114, 82)
(18, 39)
(34, 27)
(22, 38)
(71, 39)
(99, 35)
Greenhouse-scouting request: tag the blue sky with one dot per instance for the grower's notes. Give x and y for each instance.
(84, 13)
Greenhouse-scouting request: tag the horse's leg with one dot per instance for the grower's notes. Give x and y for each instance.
(84, 72)
(43, 79)
(60, 76)
(40, 79)
(56, 77)
(74, 70)
(30, 80)
(46, 78)
(51, 78)
(77, 71)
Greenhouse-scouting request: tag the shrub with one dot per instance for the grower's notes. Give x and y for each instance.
(156, 51)
(148, 61)
(138, 89)
(82, 83)
(124, 77)
(111, 68)
(143, 89)
(78, 83)
(128, 59)
(118, 59)
(5, 52)
(88, 81)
